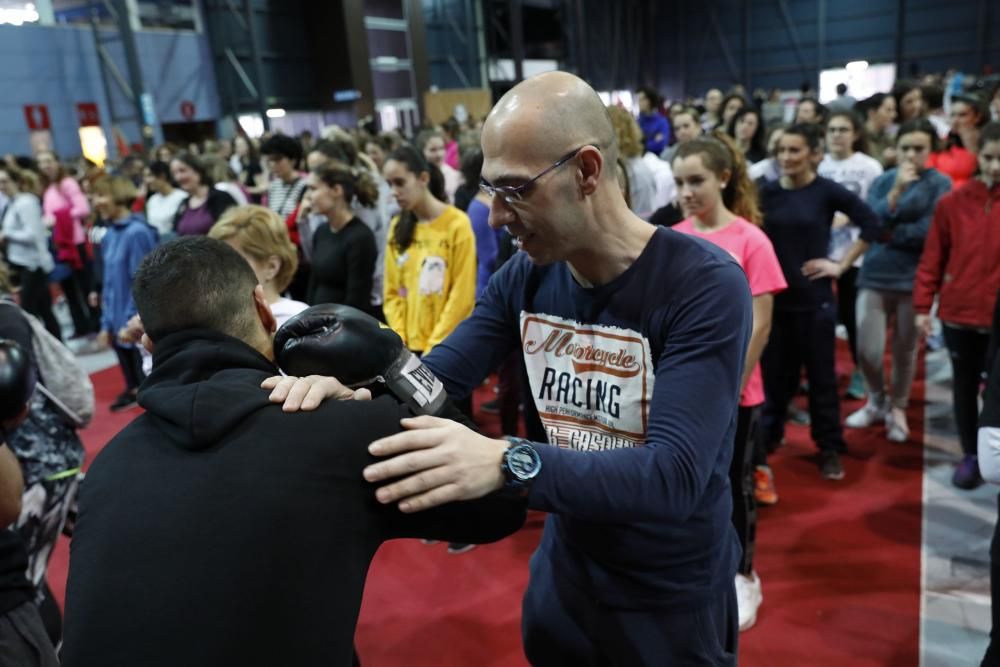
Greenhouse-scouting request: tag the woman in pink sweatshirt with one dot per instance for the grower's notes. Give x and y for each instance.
(66, 208)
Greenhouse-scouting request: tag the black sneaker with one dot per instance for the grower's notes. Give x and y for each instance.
(456, 548)
(829, 465)
(124, 401)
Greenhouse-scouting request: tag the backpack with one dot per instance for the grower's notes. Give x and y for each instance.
(62, 380)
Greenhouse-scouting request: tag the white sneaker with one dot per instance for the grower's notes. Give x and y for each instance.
(897, 429)
(871, 413)
(748, 599)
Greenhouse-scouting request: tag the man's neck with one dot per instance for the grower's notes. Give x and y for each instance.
(611, 249)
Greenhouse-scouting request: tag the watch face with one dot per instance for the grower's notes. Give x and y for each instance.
(523, 462)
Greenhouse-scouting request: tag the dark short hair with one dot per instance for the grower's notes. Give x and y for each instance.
(990, 132)
(654, 97)
(841, 88)
(471, 166)
(821, 110)
(161, 169)
(809, 132)
(920, 125)
(283, 145)
(195, 282)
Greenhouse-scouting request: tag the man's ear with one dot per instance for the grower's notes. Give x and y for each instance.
(591, 167)
(264, 310)
(147, 343)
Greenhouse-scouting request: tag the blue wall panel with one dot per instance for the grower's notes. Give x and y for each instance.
(59, 67)
(936, 36)
(454, 63)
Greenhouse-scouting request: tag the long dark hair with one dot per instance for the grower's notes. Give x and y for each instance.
(979, 106)
(860, 144)
(901, 89)
(758, 142)
(416, 164)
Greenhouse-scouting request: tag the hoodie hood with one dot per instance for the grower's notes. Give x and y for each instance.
(203, 385)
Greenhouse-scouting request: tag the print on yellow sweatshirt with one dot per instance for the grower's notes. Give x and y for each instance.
(431, 286)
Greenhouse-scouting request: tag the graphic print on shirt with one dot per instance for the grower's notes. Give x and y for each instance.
(592, 384)
(432, 271)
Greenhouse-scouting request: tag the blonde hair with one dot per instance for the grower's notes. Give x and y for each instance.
(218, 169)
(262, 234)
(121, 190)
(627, 132)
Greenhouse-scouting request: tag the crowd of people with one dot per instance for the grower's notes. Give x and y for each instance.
(871, 215)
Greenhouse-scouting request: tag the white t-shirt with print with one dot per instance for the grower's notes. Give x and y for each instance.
(856, 173)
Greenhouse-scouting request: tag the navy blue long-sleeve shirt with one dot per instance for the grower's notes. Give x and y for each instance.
(636, 383)
(798, 223)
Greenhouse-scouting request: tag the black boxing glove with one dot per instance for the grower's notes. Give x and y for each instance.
(358, 350)
(17, 381)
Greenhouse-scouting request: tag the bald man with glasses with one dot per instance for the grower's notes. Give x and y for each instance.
(633, 339)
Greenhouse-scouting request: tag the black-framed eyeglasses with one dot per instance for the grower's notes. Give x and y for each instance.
(513, 194)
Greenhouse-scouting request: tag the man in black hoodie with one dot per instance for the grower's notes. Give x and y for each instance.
(216, 529)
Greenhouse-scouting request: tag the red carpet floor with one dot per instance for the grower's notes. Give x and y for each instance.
(839, 562)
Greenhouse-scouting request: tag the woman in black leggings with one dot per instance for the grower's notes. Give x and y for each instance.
(798, 215)
(961, 265)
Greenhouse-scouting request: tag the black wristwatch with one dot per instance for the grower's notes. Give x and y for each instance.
(521, 464)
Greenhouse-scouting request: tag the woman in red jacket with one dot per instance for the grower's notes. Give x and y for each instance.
(961, 264)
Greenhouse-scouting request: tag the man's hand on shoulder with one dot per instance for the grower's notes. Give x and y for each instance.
(307, 393)
(443, 462)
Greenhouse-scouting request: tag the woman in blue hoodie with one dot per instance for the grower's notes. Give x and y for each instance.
(904, 198)
(128, 239)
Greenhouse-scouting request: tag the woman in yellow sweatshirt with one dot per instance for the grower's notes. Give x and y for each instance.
(430, 260)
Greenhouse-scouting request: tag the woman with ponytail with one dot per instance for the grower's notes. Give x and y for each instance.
(343, 250)
(430, 260)
(720, 205)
